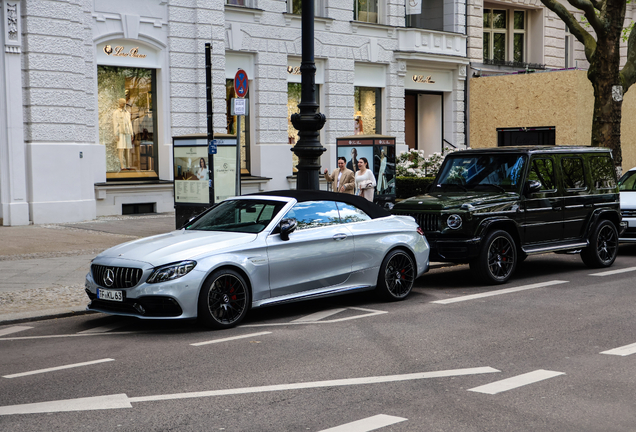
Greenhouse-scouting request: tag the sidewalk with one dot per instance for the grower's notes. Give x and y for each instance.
(43, 266)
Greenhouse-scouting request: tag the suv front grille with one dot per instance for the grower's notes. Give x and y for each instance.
(427, 221)
(628, 213)
(116, 277)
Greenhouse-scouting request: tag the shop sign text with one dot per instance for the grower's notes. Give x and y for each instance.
(423, 80)
(118, 51)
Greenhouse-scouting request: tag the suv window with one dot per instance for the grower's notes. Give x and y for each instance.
(603, 172)
(542, 170)
(501, 172)
(313, 214)
(573, 174)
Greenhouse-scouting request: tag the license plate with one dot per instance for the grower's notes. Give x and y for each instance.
(111, 295)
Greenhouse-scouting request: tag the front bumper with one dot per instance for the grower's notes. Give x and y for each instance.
(628, 234)
(176, 299)
(454, 250)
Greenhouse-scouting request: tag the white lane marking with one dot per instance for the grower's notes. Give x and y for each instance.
(123, 401)
(367, 424)
(103, 329)
(622, 351)
(14, 329)
(318, 316)
(71, 335)
(371, 313)
(82, 404)
(319, 384)
(514, 382)
(230, 338)
(499, 292)
(613, 272)
(58, 368)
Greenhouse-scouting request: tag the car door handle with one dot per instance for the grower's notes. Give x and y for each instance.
(339, 237)
(557, 208)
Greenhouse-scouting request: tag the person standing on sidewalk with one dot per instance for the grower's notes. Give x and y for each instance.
(342, 179)
(365, 180)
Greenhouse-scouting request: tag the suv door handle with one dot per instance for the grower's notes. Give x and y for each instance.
(557, 208)
(339, 237)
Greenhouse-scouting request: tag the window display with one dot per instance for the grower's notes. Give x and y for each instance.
(367, 110)
(127, 121)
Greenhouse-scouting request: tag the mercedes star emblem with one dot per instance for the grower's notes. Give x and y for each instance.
(109, 278)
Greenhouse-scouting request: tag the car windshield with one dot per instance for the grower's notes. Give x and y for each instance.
(248, 216)
(487, 172)
(628, 181)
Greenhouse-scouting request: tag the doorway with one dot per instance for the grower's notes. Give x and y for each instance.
(424, 121)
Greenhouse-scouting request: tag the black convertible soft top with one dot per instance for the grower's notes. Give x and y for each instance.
(318, 195)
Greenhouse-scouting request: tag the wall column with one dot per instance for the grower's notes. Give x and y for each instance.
(13, 179)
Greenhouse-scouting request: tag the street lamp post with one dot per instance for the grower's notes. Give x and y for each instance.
(308, 121)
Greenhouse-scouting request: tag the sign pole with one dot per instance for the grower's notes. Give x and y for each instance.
(240, 88)
(238, 155)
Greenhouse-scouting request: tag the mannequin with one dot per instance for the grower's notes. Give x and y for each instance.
(123, 131)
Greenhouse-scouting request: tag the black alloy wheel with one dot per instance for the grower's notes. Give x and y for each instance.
(498, 258)
(603, 246)
(224, 300)
(397, 276)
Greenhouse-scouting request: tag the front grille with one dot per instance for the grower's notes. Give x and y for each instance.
(427, 221)
(116, 277)
(628, 213)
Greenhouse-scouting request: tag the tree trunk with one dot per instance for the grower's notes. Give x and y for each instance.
(604, 74)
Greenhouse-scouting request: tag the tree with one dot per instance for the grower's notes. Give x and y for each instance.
(610, 83)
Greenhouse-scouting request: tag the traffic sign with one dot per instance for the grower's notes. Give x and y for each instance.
(212, 147)
(240, 83)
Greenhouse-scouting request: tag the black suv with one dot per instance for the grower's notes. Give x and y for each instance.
(494, 207)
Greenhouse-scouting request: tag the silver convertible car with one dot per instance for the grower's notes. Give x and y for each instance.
(260, 250)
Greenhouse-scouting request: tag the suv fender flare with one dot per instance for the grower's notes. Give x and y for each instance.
(599, 214)
(503, 223)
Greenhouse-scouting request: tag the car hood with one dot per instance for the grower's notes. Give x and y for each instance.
(449, 201)
(177, 246)
(628, 200)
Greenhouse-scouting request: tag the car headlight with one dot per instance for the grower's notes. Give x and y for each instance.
(454, 221)
(171, 271)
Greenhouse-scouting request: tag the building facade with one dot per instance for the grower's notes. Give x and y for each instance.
(94, 91)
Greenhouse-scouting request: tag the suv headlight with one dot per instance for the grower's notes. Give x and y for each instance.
(454, 221)
(171, 271)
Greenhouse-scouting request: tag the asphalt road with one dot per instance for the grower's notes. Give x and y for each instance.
(537, 354)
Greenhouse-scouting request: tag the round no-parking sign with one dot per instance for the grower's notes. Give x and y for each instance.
(240, 83)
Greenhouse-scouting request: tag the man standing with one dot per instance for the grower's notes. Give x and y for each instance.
(342, 179)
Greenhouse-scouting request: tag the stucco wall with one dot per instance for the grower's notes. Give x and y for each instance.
(563, 99)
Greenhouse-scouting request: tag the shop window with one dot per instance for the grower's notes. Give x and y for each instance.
(367, 117)
(366, 11)
(293, 99)
(296, 7)
(504, 36)
(232, 124)
(127, 121)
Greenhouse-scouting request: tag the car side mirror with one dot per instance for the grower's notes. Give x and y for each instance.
(287, 226)
(533, 186)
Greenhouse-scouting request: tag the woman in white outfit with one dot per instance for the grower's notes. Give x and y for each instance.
(365, 180)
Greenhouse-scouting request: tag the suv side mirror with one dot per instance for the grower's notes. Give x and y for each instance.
(533, 186)
(287, 226)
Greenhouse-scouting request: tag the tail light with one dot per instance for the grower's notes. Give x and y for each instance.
(420, 231)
